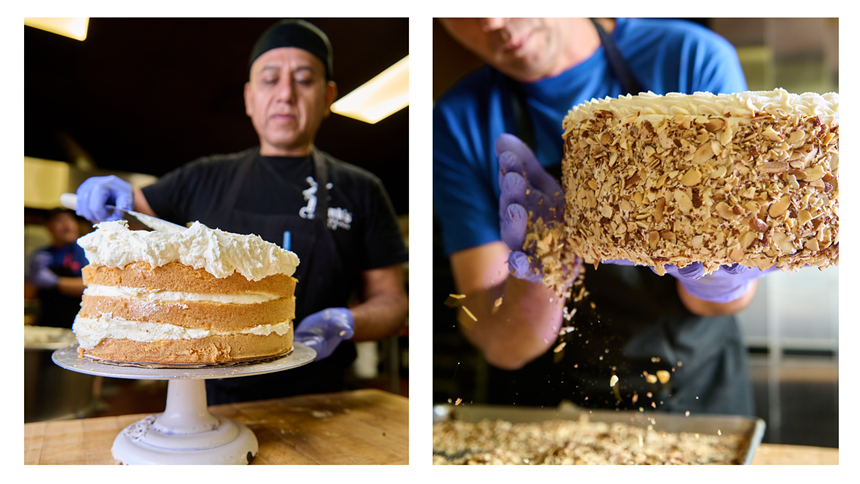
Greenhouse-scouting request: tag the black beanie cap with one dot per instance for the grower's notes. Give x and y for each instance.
(295, 33)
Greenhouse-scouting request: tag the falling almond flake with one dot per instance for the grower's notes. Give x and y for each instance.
(458, 401)
(454, 300)
(498, 302)
(655, 359)
(663, 376)
(719, 432)
(654, 404)
(687, 413)
(469, 313)
(342, 333)
(635, 397)
(613, 380)
(559, 347)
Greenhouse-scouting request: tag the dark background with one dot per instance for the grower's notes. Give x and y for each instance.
(149, 95)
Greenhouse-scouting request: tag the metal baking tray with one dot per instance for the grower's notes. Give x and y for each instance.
(751, 428)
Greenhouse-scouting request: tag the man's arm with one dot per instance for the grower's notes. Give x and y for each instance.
(702, 307)
(71, 286)
(385, 304)
(526, 322)
(141, 205)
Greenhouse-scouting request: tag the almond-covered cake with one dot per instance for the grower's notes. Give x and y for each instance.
(749, 178)
(199, 296)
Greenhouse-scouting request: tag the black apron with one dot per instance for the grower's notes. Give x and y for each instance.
(638, 325)
(322, 284)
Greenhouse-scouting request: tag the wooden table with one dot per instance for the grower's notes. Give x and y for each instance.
(357, 427)
(795, 454)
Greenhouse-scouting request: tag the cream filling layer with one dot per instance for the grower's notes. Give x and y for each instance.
(91, 331)
(155, 295)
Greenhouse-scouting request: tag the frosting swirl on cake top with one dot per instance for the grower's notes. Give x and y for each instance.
(217, 252)
(704, 103)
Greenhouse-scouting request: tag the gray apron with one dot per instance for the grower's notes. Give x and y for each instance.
(322, 284)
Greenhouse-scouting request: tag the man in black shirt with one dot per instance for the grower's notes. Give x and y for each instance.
(335, 216)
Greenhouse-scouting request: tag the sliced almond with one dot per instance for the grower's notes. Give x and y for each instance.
(715, 124)
(812, 245)
(783, 241)
(803, 216)
(779, 207)
(668, 235)
(814, 173)
(747, 239)
(692, 177)
(592, 183)
(774, 167)
(772, 135)
(725, 211)
(658, 210)
(737, 254)
(685, 204)
(653, 238)
(703, 154)
(795, 137)
(758, 225)
(718, 172)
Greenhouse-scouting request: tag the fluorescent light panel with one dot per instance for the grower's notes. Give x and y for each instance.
(379, 97)
(75, 28)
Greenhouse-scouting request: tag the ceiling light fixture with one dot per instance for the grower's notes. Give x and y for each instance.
(379, 97)
(75, 28)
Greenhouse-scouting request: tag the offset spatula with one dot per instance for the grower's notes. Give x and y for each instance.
(70, 201)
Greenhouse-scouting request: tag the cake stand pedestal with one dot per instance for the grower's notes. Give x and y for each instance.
(185, 433)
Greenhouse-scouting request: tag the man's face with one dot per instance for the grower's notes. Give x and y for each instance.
(525, 49)
(63, 228)
(287, 97)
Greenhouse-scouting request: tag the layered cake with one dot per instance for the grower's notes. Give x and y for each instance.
(749, 178)
(199, 296)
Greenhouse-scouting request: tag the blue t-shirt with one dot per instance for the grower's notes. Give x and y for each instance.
(663, 55)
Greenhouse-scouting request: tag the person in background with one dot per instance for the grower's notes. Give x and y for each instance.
(53, 274)
(335, 216)
(536, 71)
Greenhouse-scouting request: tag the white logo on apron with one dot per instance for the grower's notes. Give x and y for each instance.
(338, 218)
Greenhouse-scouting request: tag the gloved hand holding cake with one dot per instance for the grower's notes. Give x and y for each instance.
(749, 178)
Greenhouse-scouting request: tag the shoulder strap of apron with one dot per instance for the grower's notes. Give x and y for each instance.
(233, 192)
(617, 64)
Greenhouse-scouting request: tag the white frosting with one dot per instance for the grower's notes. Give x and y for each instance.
(90, 332)
(775, 102)
(155, 295)
(217, 252)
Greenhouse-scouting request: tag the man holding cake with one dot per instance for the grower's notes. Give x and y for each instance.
(336, 217)
(636, 324)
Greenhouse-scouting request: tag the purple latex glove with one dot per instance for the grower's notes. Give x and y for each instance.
(38, 274)
(726, 284)
(525, 187)
(324, 330)
(98, 191)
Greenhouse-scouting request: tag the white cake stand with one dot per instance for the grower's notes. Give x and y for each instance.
(186, 433)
